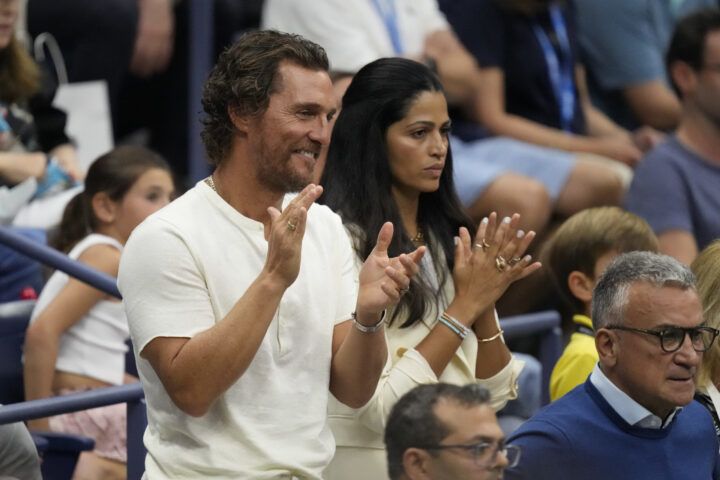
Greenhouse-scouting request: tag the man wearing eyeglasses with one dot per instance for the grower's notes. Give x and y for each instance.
(634, 418)
(446, 432)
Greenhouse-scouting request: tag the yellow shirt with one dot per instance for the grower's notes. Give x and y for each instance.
(577, 361)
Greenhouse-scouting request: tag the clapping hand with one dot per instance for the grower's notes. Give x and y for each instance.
(383, 280)
(285, 234)
(485, 267)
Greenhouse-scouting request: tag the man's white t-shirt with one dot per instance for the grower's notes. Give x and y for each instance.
(181, 272)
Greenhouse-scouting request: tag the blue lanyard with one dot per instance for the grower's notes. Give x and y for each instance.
(561, 73)
(386, 10)
(4, 125)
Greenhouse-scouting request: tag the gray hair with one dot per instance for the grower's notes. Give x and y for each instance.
(611, 292)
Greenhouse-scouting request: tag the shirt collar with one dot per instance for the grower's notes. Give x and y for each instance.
(583, 320)
(630, 411)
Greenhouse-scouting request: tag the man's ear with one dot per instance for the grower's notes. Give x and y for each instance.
(103, 207)
(416, 463)
(683, 76)
(240, 122)
(581, 286)
(606, 343)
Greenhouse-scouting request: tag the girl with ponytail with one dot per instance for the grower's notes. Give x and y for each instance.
(76, 339)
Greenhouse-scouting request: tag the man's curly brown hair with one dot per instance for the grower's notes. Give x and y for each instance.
(243, 79)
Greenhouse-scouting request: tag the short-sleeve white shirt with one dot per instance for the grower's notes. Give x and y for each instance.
(182, 271)
(352, 32)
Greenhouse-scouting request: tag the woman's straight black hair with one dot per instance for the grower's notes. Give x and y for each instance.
(357, 180)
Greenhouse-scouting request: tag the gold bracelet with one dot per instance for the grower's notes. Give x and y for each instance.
(494, 337)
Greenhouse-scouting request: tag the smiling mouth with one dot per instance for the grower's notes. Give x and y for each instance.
(307, 153)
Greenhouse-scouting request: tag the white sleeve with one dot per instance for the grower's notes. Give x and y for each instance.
(412, 370)
(432, 17)
(329, 23)
(407, 373)
(350, 274)
(503, 386)
(163, 289)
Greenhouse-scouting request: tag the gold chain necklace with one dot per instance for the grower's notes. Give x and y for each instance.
(419, 238)
(211, 184)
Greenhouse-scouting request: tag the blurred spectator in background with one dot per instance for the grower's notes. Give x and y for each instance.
(623, 44)
(18, 455)
(576, 256)
(677, 186)
(532, 83)
(37, 159)
(140, 47)
(489, 173)
(706, 268)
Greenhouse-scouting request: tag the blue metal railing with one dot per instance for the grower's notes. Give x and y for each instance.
(60, 261)
(547, 326)
(131, 394)
(73, 402)
(201, 53)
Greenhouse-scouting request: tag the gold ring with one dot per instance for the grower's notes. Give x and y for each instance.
(291, 226)
(483, 244)
(500, 263)
(514, 260)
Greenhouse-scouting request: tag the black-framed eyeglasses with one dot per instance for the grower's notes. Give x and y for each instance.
(672, 338)
(484, 453)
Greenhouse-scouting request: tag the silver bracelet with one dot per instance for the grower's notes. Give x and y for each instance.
(460, 333)
(463, 331)
(368, 328)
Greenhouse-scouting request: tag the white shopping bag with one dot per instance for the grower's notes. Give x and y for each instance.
(86, 103)
(89, 124)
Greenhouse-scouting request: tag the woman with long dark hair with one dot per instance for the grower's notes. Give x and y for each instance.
(389, 159)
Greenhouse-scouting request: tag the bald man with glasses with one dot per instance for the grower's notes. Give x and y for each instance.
(634, 418)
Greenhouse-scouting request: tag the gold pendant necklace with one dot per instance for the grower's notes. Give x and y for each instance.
(419, 238)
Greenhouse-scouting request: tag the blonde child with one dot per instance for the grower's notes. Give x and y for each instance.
(576, 256)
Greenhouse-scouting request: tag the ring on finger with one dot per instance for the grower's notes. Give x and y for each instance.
(500, 263)
(291, 226)
(514, 260)
(403, 291)
(483, 244)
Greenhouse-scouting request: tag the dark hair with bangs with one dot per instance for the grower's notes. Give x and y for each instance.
(113, 173)
(357, 178)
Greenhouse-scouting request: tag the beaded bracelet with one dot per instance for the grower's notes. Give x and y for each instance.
(453, 324)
